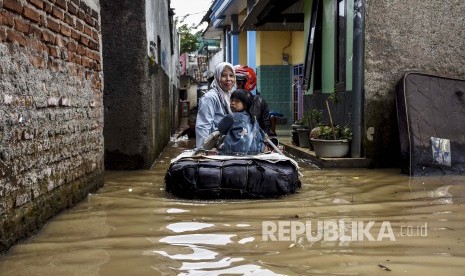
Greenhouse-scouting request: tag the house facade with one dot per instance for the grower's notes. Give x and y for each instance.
(358, 49)
(275, 52)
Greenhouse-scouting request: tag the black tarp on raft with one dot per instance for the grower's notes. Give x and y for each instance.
(431, 118)
(235, 178)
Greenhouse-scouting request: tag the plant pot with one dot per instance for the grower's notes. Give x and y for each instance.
(297, 126)
(303, 137)
(295, 137)
(310, 146)
(330, 148)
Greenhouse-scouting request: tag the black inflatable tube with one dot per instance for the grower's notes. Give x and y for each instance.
(235, 178)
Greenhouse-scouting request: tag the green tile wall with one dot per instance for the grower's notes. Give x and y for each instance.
(274, 85)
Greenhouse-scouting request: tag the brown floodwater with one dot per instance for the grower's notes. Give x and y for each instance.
(378, 222)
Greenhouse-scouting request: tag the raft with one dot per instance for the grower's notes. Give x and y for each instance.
(218, 176)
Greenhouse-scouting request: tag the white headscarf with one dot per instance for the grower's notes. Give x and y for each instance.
(225, 96)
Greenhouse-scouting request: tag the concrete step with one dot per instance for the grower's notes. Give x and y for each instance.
(306, 153)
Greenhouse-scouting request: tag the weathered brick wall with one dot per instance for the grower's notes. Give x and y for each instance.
(51, 116)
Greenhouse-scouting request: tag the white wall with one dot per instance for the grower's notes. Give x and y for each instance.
(217, 58)
(94, 4)
(156, 24)
(192, 94)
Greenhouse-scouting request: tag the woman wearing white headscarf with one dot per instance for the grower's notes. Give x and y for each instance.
(214, 105)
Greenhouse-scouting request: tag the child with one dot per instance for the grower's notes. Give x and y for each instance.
(242, 132)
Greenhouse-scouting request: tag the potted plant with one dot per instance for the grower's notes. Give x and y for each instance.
(304, 131)
(295, 135)
(314, 117)
(297, 124)
(332, 140)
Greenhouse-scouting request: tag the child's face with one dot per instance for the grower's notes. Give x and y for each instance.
(237, 105)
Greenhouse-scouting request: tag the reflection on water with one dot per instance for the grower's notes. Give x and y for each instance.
(133, 227)
(187, 226)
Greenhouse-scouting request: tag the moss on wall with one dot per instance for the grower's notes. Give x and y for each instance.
(51, 115)
(380, 139)
(27, 219)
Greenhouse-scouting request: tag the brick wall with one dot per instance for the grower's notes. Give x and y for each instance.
(51, 115)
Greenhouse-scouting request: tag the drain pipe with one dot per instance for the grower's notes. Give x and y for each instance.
(358, 78)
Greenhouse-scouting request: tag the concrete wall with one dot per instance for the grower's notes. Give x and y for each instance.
(297, 48)
(188, 84)
(242, 48)
(293, 40)
(192, 95)
(139, 81)
(216, 58)
(161, 83)
(402, 36)
(51, 117)
(282, 42)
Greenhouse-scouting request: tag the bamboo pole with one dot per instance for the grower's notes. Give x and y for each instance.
(330, 119)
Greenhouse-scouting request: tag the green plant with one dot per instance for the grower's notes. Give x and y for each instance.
(151, 59)
(334, 133)
(311, 119)
(315, 117)
(298, 122)
(189, 41)
(333, 97)
(305, 121)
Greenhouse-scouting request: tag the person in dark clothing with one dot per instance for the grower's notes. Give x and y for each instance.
(246, 79)
(190, 131)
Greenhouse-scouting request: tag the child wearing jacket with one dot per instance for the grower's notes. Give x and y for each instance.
(243, 135)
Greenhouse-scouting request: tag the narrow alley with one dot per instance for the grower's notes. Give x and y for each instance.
(93, 95)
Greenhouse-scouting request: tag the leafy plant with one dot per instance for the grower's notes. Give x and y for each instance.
(298, 122)
(311, 119)
(315, 117)
(305, 121)
(189, 41)
(151, 59)
(333, 97)
(334, 133)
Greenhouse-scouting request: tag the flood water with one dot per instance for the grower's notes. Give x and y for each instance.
(133, 227)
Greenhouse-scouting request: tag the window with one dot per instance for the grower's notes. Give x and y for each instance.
(297, 101)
